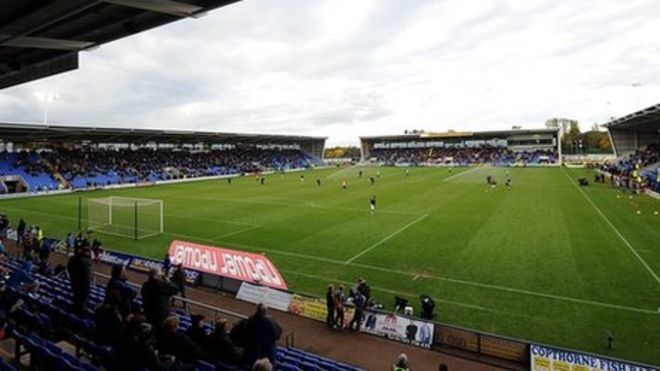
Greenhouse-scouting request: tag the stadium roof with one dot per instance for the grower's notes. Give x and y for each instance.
(30, 133)
(647, 119)
(460, 135)
(40, 38)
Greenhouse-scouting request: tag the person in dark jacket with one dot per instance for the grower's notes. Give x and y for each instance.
(167, 265)
(156, 294)
(172, 342)
(109, 322)
(179, 279)
(134, 350)
(220, 347)
(119, 284)
(262, 335)
(20, 230)
(330, 305)
(196, 332)
(80, 273)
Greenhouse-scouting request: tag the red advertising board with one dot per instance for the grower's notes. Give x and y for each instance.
(238, 265)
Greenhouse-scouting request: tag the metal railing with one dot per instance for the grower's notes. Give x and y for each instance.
(216, 313)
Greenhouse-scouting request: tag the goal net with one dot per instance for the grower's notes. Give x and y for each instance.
(126, 217)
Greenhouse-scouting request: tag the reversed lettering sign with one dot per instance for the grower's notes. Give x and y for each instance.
(239, 265)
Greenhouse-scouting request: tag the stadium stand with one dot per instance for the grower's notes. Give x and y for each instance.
(636, 140)
(44, 320)
(30, 167)
(37, 158)
(84, 168)
(497, 156)
(498, 148)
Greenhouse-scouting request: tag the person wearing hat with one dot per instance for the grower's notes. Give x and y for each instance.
(196, 332)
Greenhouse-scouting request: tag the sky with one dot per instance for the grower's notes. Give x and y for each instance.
(350, 68)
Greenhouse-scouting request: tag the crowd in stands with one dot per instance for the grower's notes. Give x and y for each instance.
(138, 329)
(85, 168)
(639, 169)
(462, 156)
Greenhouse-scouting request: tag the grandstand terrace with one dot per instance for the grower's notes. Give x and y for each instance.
(39, 158)
(636, 141)
(502, 148)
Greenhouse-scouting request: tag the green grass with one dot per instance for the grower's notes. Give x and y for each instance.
(538, 262)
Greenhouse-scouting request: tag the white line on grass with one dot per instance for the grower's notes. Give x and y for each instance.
(386, 238)
(616, 231)
(412, 274)
(235, 232)
(459, 174)
(446, 279)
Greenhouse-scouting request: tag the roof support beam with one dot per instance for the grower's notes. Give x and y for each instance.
(170, 7)
(45, 43)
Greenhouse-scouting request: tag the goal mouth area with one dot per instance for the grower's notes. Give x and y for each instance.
(129, 217)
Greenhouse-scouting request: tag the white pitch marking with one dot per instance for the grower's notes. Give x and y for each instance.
(416, 277)
(616, 231)
(459, 174)
(385, 239)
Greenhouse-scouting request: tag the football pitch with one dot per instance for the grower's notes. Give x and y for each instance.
(546, 261)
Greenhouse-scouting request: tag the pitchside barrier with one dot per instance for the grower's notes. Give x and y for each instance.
(253, 278)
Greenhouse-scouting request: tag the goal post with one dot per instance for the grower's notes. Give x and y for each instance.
(129, 217)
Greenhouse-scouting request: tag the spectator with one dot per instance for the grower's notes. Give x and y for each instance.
(196, 332)
(3, 248)
(220, 347)
(156, 294)
(22, 278)
(401, 364)
(134, 349)
(80, 273)
(330, 305)
(179, 279)
(170, 341)
(39, 237)
(167, 265)
(97, 249)
(262, 364)
(79, 243)
(340, 301)
(119, 284)
(69, 243)
(20, 231)
(108, 320)
(262, 335)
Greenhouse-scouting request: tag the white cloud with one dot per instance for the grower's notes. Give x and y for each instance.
(343, 68)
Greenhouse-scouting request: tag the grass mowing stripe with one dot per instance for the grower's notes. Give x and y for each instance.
(386, 238)
(616, 231)
(390, 270)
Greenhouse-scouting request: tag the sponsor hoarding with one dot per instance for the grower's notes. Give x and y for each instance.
(545, 358)
(399, 328)
(275, 299)
(312, 308)
(238, 265)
